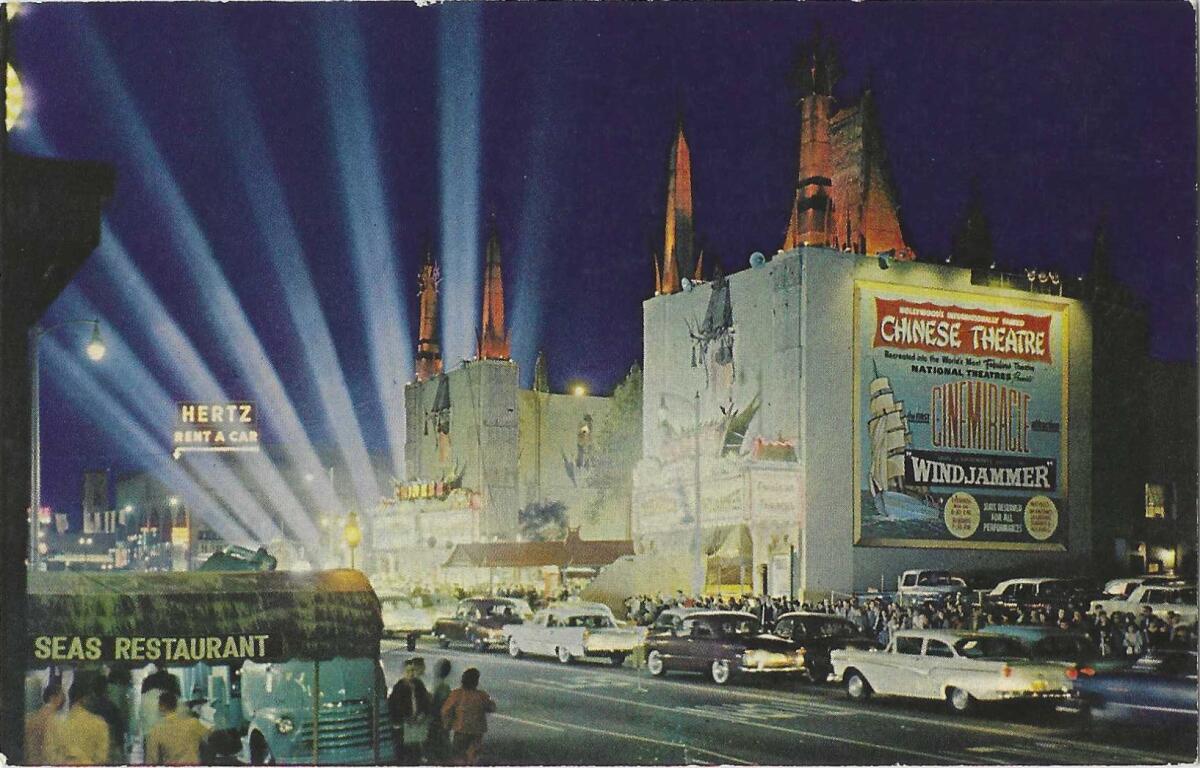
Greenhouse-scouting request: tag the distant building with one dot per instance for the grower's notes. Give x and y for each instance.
(479, 449)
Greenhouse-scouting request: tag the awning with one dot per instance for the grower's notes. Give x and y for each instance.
(182, 618)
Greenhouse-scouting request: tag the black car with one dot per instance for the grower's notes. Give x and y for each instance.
(480, 621)
(723, 644)
(818, 634)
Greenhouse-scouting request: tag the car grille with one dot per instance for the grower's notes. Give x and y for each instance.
(342, 725)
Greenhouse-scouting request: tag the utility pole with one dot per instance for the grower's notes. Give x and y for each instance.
(698, 565)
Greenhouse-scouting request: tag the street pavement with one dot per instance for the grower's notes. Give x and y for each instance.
(589, 713)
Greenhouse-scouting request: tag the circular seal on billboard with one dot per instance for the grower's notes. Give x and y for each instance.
(961, 514)
(1041, 517)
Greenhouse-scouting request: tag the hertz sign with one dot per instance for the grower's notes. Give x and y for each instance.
(229, 426)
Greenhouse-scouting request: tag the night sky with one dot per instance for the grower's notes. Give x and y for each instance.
(334, 116)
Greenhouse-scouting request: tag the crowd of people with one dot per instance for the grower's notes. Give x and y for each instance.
(442, 727)
(96, 723)
(1116, 635)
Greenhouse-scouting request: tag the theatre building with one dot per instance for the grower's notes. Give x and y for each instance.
(834, 414)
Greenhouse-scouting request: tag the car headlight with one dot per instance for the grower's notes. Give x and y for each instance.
(284, 724)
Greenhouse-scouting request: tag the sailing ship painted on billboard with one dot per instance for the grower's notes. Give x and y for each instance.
(890, 437)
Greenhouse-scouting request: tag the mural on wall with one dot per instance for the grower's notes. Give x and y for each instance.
(576, 466)
(960, 420)
(712, 340)
(438, 417)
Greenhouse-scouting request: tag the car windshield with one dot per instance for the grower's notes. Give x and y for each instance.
(516, 608)
(935, 579)
(736, 626)
(989, 648)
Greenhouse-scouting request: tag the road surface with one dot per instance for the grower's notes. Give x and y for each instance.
(589, 713)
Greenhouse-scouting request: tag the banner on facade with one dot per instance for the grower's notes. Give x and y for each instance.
(960, 419)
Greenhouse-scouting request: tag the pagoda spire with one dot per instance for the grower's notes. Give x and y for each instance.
(679, 254)
(493, 336)
(812, 216)
(429, 348)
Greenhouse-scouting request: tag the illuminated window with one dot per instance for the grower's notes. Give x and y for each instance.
(1156, 505)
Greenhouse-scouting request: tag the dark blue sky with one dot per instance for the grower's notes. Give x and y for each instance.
(1065, 112)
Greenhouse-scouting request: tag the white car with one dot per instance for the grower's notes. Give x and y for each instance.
(569, 631)
(1179, 599)
(1120, 588)
(960, 668)
(405, 615)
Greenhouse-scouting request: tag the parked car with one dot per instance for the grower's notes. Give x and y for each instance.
(1160, 599)
(410, 616)
(1121, 588)
(481, 622)
(569, 631)
(1041, 593)
(722, 643)
(927, 585)
(819, 634)
(960, 668)
(1158, 690)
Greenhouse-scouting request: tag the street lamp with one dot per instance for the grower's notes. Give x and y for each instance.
(95, 351)
(699, 571)
(353, 535)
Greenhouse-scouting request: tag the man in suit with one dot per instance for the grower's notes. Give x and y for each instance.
(408, 710)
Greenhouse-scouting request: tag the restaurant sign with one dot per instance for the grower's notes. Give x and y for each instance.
(960, 420)
(166, 650)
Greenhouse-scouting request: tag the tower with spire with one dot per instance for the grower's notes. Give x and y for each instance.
(844, 196)
(429, 348)
(493, 334)
(812, 219)
(679, 258)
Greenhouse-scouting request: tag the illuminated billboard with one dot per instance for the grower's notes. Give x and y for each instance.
(960, 420)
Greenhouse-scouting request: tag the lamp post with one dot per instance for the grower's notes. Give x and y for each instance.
(699, 571)
(95, 351)
(353, 535)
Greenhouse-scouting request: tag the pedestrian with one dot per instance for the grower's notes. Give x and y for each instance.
(119, 690)
(105, 708)
(465, 712)
(156, 683)
(176, 738)
(437, 744)
(408, 710)
(80, 738)
(39, 722)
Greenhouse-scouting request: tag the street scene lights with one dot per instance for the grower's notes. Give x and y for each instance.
(352, 534)
(95, 351)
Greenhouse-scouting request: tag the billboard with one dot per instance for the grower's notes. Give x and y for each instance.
(960, 420)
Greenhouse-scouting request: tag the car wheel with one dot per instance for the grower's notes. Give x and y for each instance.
(960, 701)
(617, 659)
(655, 663)
(857, 686)
(443, 641)
(720, 671)
(514, 650)
(260, 752)
(563, 654)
